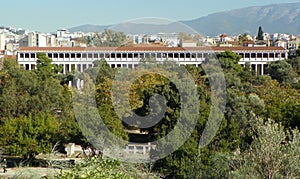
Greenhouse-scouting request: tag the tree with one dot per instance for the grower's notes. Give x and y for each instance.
(282, 103)
(274, 153)
(109, 38)
(30, 135)
(45, 69)
(243, 37)
(260, 34)
(282, 71)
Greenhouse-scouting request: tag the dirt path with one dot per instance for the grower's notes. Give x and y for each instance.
(29, 172)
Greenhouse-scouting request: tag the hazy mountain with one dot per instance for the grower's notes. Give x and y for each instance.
(282, 18)
(134, 28)
(89, 28)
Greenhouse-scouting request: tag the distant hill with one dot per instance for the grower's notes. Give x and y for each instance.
(89, 28)
(134, 28)
(282, 18)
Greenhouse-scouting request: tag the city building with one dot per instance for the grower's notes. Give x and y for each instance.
(79, 58)
(37, 40)
(2, 41)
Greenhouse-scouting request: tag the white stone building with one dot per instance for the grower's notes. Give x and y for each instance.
(2, 41)
(78, 58)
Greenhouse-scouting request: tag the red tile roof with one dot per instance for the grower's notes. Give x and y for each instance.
(10, 57)
(43, 49)
(148, 48)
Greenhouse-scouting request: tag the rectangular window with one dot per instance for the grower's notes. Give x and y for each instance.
(194, 55)
(259, 55)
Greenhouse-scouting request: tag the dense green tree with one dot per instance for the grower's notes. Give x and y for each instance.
(281, 71)
(281, 102)
(29, 135)
(295, 62)
(260, 34)
(109, 38)
(274, 153)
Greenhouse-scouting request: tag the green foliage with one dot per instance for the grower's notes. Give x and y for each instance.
(95, 168)
(274, 153)
(109, 38)
(282, 103)
(36, 112)
(24, 92)
(281, 71)
(29, 136)
(45, 68)
(260, 34)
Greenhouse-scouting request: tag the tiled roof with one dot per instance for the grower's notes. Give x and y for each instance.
(149, 48)
(44, 49)
(10, 56)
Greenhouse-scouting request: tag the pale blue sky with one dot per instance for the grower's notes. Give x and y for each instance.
(49, 15)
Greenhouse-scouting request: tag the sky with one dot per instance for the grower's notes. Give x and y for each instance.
(50, 15)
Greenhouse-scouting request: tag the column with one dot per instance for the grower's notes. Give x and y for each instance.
(134, 149)
(262, 69)
(256, 69)
(144, 150)
(64, 69)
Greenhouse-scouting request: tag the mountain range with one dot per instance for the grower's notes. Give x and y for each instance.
(281, 18)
